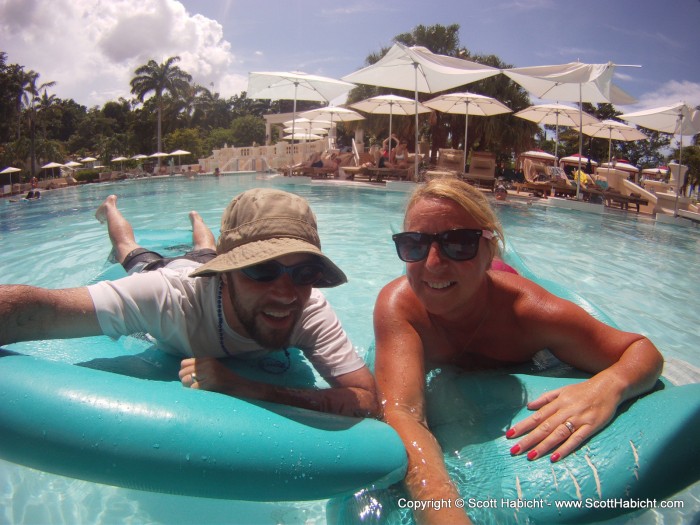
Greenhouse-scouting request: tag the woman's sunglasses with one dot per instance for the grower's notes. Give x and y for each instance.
(302, 274)
(459, 245)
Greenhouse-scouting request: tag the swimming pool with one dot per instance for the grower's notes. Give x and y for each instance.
(639, 272)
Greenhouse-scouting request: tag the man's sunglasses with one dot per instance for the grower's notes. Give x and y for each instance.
(459, 245)
(302, 274)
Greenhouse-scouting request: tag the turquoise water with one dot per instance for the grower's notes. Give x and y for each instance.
(643, 275)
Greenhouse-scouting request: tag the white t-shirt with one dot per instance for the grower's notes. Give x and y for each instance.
(180, 313)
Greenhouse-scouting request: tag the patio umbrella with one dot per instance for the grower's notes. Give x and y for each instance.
(572, 82)
(295, 85)
(179, 153)
(10, 170)
(315, 131)
(140, 156)
(467, 104)
(334, 114)
(555, 115)
(390, 105)
(302, 135)
(51, 166)
(88, 159)
(678, 119)
(612, 130)
(420, 70)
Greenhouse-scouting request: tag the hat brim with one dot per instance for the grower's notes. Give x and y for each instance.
(258, 252)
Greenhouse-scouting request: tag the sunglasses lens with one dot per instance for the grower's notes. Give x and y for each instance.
(306, 274)
(302, 274)
(412, 247)
(264, 272)
(460, 245)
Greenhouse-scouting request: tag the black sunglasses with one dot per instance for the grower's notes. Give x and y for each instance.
(459, 245)
(302, 274)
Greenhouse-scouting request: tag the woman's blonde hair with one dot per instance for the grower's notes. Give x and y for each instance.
(467, 197)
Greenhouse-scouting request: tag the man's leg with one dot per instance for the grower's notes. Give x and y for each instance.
(202, 237)
(120, 232)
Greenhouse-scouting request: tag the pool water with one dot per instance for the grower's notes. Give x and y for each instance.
(642, 274)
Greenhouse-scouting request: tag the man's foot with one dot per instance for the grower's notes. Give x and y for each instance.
(109, 203)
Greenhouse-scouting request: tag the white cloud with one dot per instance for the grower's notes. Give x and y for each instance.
(669, 93)
(92, 47)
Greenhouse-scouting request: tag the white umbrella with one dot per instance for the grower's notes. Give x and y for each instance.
(51, 166)
(572, 82)
(159, 154)
(72, 164)
(88, 159)
(467, 104)
(303, 122)
(421, 70)
(179, 153)
(678, 119)
(391, 105)
(140, 156)
(119, 159)
(333, 113)
(295, 85)
(301, 135)
(10, 170)
(612, 130)
(315, 131)
(556, 115)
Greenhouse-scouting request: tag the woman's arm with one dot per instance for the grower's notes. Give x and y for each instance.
(624, 365)
(400, 376)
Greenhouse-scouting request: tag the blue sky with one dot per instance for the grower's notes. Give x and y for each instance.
(91, 47)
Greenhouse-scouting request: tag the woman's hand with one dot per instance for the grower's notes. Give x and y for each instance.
(565, 418)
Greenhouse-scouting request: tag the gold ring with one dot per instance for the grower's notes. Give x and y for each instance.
(570, 426)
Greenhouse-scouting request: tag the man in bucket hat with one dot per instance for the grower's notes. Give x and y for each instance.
(252, 295)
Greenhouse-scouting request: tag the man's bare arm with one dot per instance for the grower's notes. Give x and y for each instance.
(28, 313)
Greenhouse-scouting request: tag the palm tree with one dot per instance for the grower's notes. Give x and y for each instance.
(160, 78)
(30, 101)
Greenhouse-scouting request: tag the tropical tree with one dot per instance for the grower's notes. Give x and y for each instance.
(30, 102)
(160, 79)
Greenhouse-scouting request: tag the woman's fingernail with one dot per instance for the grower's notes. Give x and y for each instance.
(532, 455)
(555, 457)
(510, 433)
(515, 449)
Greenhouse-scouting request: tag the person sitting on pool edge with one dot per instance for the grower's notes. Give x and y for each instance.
(450, 308)
(257, 292)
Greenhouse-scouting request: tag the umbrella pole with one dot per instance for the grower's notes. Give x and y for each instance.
(556, 137)
(680, 163)
(580, 138)
(415, 155)
(466, 131)
(610, 149)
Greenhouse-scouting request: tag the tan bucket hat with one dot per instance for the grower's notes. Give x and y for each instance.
(263, 224)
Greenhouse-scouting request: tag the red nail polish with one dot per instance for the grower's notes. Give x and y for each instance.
(510, 433)
(532, 455)
(555, 457)
(515, 449)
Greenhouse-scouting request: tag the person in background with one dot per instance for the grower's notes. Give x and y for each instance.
(452, 309)
(254, 292)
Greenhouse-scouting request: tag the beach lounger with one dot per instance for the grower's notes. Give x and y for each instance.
(450, 162)
(482, 170)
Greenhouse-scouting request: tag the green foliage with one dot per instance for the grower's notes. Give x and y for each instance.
(247, 130)
(87, 175)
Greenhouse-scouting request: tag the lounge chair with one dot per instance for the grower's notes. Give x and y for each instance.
(450, 163)
(614, 197)
(482, 170)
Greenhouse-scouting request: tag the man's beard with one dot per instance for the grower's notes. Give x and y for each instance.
(264, 335)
